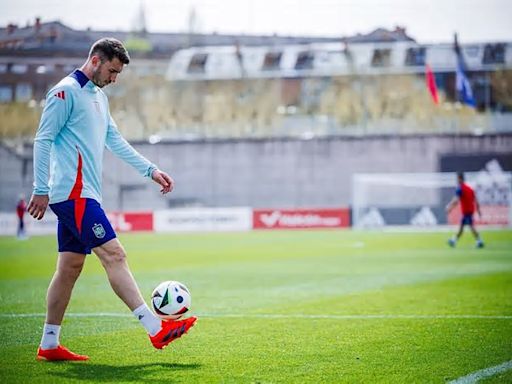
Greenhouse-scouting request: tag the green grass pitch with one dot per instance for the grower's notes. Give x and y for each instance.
(274, 307)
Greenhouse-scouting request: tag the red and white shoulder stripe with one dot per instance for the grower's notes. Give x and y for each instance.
(60, 95)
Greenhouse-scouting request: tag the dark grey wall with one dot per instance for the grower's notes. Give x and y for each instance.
(15, 178)
(268, 172)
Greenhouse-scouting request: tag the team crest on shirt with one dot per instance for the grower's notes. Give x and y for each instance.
(99, 231)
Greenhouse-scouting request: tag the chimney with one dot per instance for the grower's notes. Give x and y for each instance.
(11, 28)
(37, 25)
(400, 29)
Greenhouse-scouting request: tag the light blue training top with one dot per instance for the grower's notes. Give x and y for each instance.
(75, 127)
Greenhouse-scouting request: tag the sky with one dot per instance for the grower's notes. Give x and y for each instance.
(428, 21)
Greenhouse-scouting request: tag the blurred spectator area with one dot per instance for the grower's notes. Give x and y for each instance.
(393, 103)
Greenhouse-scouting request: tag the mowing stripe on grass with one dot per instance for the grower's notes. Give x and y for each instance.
(279, 316)
(483, 373)
(352, 317)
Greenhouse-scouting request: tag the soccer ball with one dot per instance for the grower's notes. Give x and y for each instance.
(171, 299)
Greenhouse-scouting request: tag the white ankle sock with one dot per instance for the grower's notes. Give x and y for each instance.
(148, 319)
(51, 335)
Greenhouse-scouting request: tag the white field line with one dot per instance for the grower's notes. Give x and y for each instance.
(278, 316)
(483, 373)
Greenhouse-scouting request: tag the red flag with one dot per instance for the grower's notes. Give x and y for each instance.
(431, 83)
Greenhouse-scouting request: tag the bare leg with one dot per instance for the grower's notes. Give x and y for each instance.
(161, 333)
(475, 233)
(461, 230)
(69, 266)
(479, 242)
(113, 259)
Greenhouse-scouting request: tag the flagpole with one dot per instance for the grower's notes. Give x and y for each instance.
(488, 100)
(462, 84)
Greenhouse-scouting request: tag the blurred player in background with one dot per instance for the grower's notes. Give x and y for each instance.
(465, 195)
(21, 208)
(74, 130)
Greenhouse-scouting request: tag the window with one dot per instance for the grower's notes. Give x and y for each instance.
(304, 60)
(494, 54)
(471, 50)
(3, 68)
(68, 68)
(42, 69)
(381, 58)
(5, 93)
(197, 63)
(23, 92)
(19, 68)
(415, 56)
(272, 61)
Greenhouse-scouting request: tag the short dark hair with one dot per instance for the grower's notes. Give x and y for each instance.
(460, 175)
(108, 48)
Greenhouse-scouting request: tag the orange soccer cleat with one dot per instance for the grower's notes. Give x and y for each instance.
(58, 354)
(171, 330)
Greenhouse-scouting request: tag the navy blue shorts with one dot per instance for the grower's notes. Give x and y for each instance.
(82, 225)
(467, 219)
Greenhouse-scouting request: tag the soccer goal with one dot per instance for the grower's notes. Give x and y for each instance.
(419, 199)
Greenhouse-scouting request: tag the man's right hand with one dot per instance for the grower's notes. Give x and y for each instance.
(37, 206)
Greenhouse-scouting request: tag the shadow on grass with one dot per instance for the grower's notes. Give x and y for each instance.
(105, 373)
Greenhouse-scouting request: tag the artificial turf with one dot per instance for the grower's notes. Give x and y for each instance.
(274, 307)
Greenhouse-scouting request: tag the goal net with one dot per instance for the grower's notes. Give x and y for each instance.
(419, 199)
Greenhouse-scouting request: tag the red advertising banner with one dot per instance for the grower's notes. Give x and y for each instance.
(131, 221)
(300, 218)
(491, 215)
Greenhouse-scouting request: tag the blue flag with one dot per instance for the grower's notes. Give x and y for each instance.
(465, 93)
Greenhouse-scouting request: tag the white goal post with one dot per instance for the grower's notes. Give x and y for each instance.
(419, 199)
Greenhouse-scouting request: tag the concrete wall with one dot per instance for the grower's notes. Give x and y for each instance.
(15, 178)
(263, 173)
